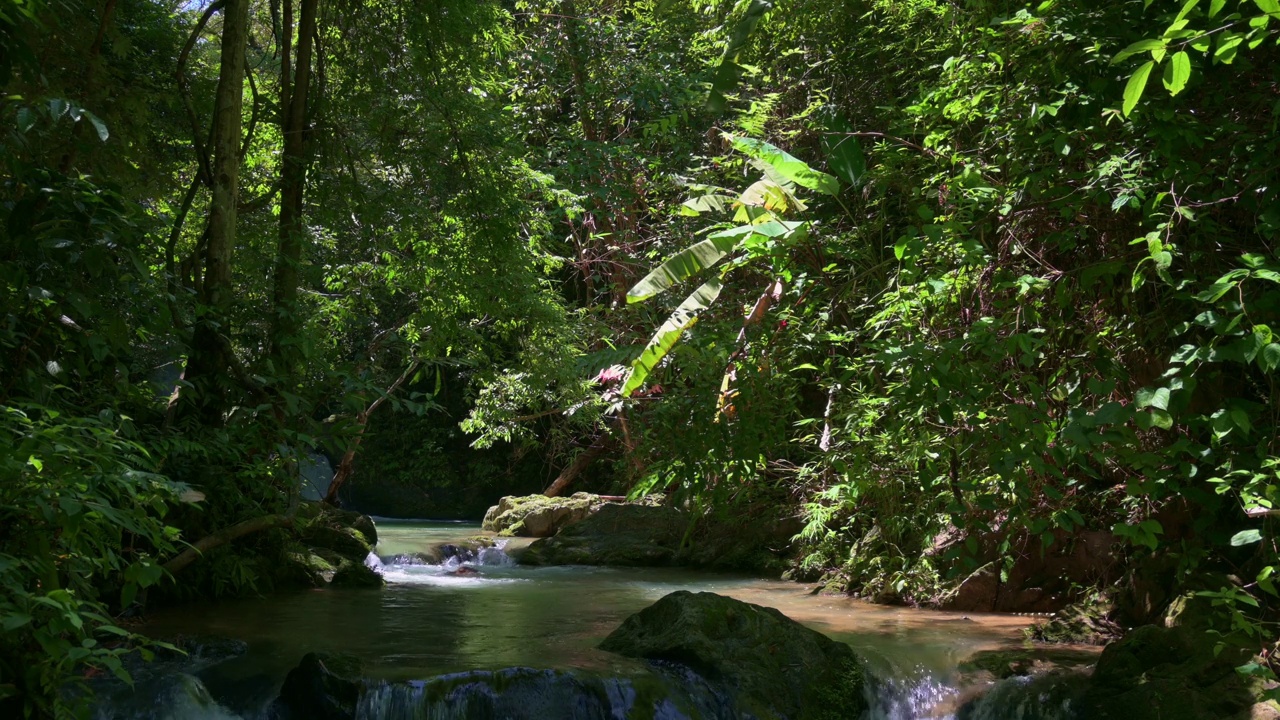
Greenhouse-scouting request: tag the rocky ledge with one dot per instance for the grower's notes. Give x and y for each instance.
(593, 530)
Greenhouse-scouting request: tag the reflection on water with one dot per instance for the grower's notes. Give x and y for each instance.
(434, 619)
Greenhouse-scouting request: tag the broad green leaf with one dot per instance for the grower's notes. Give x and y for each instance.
(1186, 9)
(1269, 358)
(685, 264)
(1215, 7)
(669, 334)
(705, 203)
(1158, 398)
(728, 72)
(771, 196)
(1246, 537)
(1270, 7)
(1228, 46)
(1137, 84)
(1177, 72)
(844, 154)
(15, 621)
(98, 125)
(787, 165)
(1141, 46)
(26, 119)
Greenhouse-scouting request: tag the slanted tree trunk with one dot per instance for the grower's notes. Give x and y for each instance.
(224, 536)
(294, 96)
(210, 358)
(347, 465)
(575, 468)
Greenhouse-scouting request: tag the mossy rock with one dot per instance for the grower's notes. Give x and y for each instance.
(300, 567)
(1180, 673)
(771, 665)
(538, 515)
(621, 535)
(345, 541)
(353, 574)
(1025, 662)
(324, 686)
(1087, 622)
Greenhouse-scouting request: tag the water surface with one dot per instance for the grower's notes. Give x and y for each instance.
(431, 620)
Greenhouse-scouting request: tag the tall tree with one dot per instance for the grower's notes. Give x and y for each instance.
(211, 352)
(294, 96)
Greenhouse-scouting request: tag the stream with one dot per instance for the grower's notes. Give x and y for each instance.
(431, 620)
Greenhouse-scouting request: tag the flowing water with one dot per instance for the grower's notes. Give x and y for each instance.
(433, 619)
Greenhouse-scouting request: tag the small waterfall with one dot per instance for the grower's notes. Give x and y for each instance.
(172, 697)
(449, 563)
(908, 696)
(512, 694)
(1047, 697)
(496, 555)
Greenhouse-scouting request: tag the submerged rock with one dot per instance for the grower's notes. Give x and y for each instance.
(538, 515)
(772, 666)
(624, 535)
(1025, 662)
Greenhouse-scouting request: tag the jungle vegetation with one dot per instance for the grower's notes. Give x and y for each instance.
(998, 271)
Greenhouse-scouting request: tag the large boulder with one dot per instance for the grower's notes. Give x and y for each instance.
(616, 534)
(324, 686)
(538, 515)
(1178, 673)
(772, 666)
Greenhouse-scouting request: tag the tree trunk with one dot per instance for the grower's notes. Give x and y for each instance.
(293, 178)
(575, 468)
(224, 536)
(347, 465)
(210, 347)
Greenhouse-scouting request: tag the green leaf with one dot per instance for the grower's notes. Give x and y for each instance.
(1269, 358)
(1137, 84)
(787, 165)
(1158, 398)
(685, 264)
(705, 203)
(1186, 9)
(771, 196)
(98, 125)
(728, 72)
(1215, 7)
(15, 621)
(1177, 72)
(1270, 7)
(845, 158)
(669, 334)
(1246, 537)
(1139, 47)
(1228, 46)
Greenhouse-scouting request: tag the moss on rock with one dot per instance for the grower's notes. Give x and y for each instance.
(538, 515)
(771, 665)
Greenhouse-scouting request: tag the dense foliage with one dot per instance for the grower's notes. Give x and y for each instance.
(965, 283)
